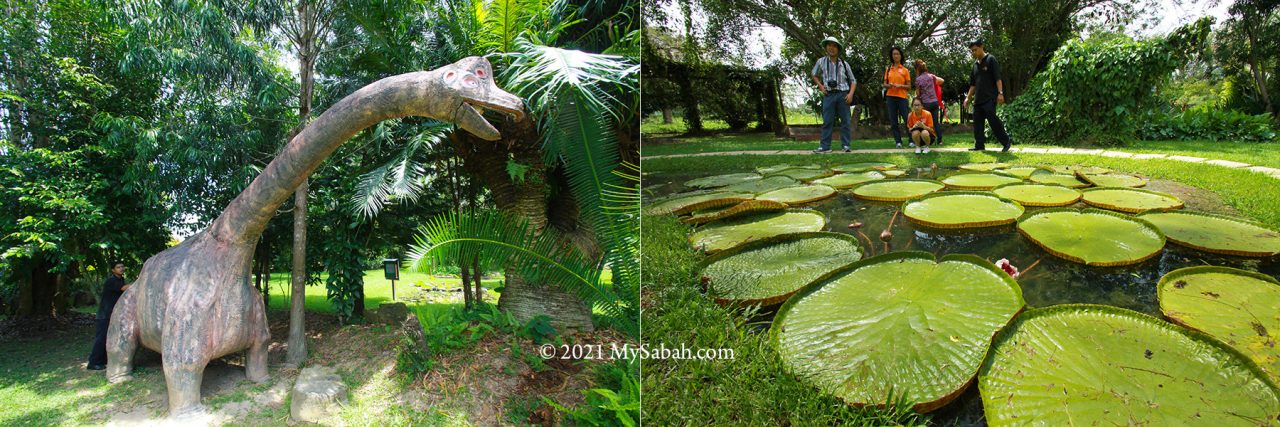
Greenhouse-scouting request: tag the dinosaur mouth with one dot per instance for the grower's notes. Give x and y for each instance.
(468, 114)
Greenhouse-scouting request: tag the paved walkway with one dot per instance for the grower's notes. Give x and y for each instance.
(1273, 172)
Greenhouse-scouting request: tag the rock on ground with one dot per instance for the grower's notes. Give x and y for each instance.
(318, 392)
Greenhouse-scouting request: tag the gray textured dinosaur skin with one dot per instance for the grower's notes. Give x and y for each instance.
(194, 303)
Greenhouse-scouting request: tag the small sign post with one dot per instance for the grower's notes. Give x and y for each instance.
(391, 269)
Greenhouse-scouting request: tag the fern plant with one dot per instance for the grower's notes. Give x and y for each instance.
(498, 239)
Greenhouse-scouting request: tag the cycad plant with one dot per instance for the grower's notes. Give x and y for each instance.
(580, 101)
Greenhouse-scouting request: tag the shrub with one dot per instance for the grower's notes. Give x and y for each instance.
(1091, 90)
(1205, 123)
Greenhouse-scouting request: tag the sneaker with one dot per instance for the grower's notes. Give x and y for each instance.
(822, 150)
(977, 149)
(1005, 149)
(918, 150)
(848, 150)
(926, 150)
(897, 145)
(95, 367)
(913, 145)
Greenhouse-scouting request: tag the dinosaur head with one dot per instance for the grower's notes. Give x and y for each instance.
(468, 84)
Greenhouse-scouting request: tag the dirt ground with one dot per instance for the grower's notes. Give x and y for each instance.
(485, 384)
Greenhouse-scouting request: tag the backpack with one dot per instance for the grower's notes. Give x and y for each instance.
(942, 106)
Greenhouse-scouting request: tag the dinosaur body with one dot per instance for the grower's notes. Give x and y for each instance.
(194, 302)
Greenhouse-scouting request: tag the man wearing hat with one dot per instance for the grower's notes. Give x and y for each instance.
(985, 81)
(835, 79)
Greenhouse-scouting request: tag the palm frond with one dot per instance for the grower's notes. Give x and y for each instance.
(401, 177)
(499, 240)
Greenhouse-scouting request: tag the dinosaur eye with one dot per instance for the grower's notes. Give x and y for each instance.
(470, 81)
(481, 73)
(449, 77)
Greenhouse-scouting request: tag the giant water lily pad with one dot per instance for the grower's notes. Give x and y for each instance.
(1066, 180)
(744, 208)
(1021, 172)
(961, 209)
(846, 180)
(803, 174)
(893, 173)
(863, 167)
(1094, 365)
(978, 181)
(766, 170)
(1240, 308)
(721, 235)
(896, 190)
(1130, 199)
(799, 195)
(1092, 236)
(763, 185)
(1029, 194)
(984, 167)
(688, 202)
(721, 180)
(768, 271)
(1217, 233)
(900, 323)
(1112, 180)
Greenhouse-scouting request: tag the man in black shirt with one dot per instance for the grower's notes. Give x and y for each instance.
(985, 81)
(112, 289)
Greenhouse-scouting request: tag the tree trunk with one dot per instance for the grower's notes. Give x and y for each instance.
(528, 199)
(297, 301)
(668, 117)
(477, 277)
(466, 282)
(1259, 78)
(692, 118)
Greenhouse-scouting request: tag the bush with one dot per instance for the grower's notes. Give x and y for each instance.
(1205, 123)
(1091, 90)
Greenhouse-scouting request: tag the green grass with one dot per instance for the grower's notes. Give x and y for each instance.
(755, 388)
(1264, 154)
(377, 289)
(43, 382)
(751, 389)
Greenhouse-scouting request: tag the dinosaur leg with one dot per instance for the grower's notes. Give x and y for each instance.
(122, 340)
(256, 356)
(183, 380)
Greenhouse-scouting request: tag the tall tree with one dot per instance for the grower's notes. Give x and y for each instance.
(70, 208)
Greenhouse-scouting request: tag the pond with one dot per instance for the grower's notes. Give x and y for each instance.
(1045, 279)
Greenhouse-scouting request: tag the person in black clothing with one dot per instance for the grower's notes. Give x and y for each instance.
(112, 289)
(985, 81)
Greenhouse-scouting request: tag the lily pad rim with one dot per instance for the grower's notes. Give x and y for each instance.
(1249, 221)
(685, 184)
(725, 214)
(1085, 177)
(981, 224)
(1083, 192)
(770, 241)
(839, 170)
(834, 192)
(1009, 330)
(973, 172)
(1079, 195)
(1201, 269)
(852, 190)
(1163, 239)
(922, 407)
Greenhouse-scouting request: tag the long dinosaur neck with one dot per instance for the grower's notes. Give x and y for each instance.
(398, 96)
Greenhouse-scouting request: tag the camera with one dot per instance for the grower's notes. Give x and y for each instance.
(831, 84)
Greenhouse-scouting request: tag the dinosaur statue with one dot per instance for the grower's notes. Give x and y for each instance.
(194, 303)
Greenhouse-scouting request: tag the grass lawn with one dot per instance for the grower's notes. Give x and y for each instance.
(377, 289)
(1264, 154)
(755, 388)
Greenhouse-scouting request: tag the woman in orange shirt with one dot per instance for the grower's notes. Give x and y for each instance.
(920, 123)
(897, 79)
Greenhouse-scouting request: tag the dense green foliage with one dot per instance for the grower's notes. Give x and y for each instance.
(1094, 90)
(1206, 123)
(70, 206)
